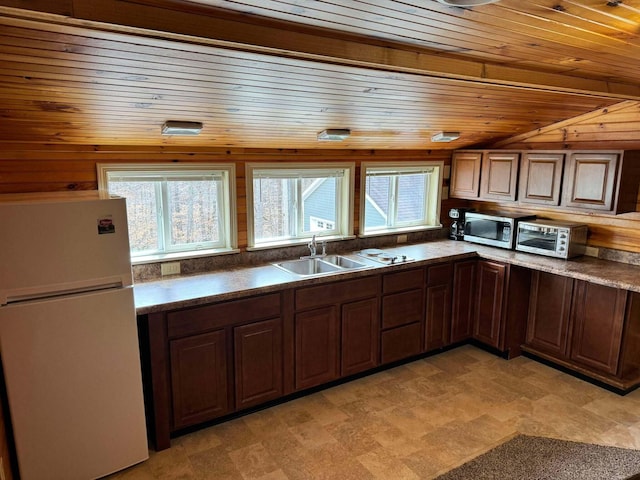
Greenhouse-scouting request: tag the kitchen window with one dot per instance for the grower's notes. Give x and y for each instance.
(288, 204)
(175, 211)
(400, 197)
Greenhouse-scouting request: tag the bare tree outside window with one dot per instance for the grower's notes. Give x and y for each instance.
(142, 213)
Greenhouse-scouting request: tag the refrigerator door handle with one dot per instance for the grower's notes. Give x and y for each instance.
(47, 291)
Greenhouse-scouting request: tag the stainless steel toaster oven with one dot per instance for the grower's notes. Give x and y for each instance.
(551, 238)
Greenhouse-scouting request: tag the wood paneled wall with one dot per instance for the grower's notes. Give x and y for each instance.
(27, 168)
(614, 127)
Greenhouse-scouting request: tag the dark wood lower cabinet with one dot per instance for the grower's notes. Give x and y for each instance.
(464, 297)
(586, 327)
(199, 378)
(438, 306)
(258, 358)
(402, 325)
(360, 333)
(598, 320)
(490, 302)
(502, 303)
(549, 310)
(336, 329)
(316, 347)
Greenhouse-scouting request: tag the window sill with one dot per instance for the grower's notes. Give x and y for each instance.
(397, 231)
(165, 257)
(298, 242)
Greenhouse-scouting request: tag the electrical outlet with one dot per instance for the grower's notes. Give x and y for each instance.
(170, 268)
(401, 238)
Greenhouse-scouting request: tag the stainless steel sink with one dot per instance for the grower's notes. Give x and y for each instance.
(319, 265)
(343, 262)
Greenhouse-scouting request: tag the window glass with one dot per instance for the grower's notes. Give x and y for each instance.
(193, 212)
(400, 196)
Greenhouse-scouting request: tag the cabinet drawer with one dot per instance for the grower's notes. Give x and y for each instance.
(402, 308)
(337, 292)
(401, 342)
(397, 282)
(439, 274)
(200, 319)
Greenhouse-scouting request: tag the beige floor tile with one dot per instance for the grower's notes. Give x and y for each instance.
(199, 441)
(214, 464)
(253, 461)
(141, 472)
(311, 435)
(623, 410)
(171, 464)
(384, 466)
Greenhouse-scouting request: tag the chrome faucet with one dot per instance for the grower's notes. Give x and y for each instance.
(313, 246)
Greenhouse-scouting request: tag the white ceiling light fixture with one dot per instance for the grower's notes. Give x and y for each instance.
(445, 137)
(466, 3)
(334, 134)
(173, 127)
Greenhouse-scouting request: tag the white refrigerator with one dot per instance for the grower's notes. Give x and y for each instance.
(68, 335)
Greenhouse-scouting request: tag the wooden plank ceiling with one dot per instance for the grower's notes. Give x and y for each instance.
(272, 74)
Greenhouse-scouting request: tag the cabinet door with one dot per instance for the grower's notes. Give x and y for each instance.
(598, 319)
(258, 362)
(360, 336)
(438, 306)
(590, 180)
(465, 174)
(549, 309)
(316, 347)
(199, 378)
(462, 309)
(540, 178)
(491, 287)
(499, 176)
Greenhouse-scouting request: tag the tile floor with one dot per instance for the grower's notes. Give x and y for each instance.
(411, 422)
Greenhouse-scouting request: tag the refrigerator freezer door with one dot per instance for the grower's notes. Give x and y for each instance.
(72, 370)
(62, 245)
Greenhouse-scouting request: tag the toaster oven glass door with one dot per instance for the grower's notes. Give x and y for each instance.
(540, 238)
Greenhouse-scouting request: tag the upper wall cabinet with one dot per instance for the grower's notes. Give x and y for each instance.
(591, 180)
(602, 181)
(465, 175)
(499, 175)
(540, 178)
(484, 175)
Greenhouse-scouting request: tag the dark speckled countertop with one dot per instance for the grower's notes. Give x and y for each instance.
(187, 291)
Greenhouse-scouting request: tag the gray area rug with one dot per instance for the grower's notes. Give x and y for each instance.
(536, 458)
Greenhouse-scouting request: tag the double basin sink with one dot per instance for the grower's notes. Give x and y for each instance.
(319, 265)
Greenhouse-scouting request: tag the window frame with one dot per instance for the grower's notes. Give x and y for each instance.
(174, 171)
(434, 195)
(343, 225)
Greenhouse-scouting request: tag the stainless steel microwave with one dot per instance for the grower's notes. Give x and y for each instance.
(552, 238)
(497, 229)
